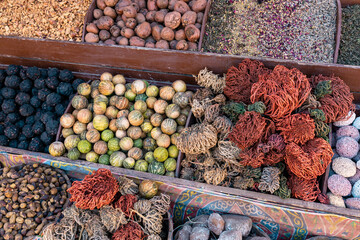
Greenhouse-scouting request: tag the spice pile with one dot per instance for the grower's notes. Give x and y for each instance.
(297, 30)
(264, 130)
(174, 24)
(51, 19)
(350, 40)
(224, 227)
(131, 125)
(30, 197)
(107, 208)
(32, 100)
(344, 177)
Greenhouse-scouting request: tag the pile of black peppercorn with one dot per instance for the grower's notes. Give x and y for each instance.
(32, 100)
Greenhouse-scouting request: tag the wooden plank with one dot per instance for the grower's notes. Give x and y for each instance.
(345, 3)
(292, 203)
(154, 60)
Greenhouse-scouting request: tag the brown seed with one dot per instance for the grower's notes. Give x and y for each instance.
(53, 191)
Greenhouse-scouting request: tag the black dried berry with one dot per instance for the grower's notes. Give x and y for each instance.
(22, 98)
(30, 120)
(46, 108)
(13, 143)
(39, 83)
(52, 82)
(46, 138)
(46, 149)
(11, 131)
(27, 131)
(8, 93)
(53, 72)
(4, 141)
(22, 137)
(2, 75)
(35, 145)
(23, 145)
(2, 128)
(13, 69)
(76, 83)
(38, 114)
(47, 116)
(35, 102)
(60, 109)
(22, 74)
(38, 127)
(13, 118)
(43, 73)
(26, 110)
(33, 73)
(43, 93)
(20, 123)
(65, 89)
(52, 127)
(53, 99)
(12, 81)
(2, 116)
(34, 92)
(26, 85)
(8, 106)
(66, 76)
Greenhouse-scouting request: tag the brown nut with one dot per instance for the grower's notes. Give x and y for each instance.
(19, 220)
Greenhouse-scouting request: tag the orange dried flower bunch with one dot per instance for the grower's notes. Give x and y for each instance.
(126, 203)
(240, 80)
(130, 231)
(95, 190)
(339, 102)
(307, 190)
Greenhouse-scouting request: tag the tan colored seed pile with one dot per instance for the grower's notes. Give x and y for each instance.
(51, 19)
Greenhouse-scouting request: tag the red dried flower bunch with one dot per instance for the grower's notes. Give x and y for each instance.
(307, 190)
(337, 104)
(95, 190)
(130, 231)
(253, 157)
(310, 160)
(126, 203)
(248, 130)
(282, 91)
(297, 128)
(239, 80)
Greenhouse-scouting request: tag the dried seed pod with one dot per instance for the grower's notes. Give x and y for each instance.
(208, 79)
(112, 218)
(127, 186)
(142, 206)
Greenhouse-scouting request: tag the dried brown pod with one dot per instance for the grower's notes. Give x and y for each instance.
(111, 3)
(97, 13)
(122, 41)
(180, 35)
(105, 22)
(192, 33)
(161, 203)
(151, 5)
(172, 4)
(208, 79)
(104, 35)
(173, 44)
(150, 45)
(91, 38)
(127, 32)
(181, 7)
(131, 23)
(143, 11)
(108, 11)
(143, 30)
(188, 18)
(129, 11)
(120, 24)
(119, 7)
(172, 19)
(192, 46)
(112, 218)
(198, 5)
(160, 15)
(182, 45)
(222, 124)
(198, 107)
(202, 93)
(197, 139)
(167, 34)
(137, 42)
(215, 175)
(115, 31)
(156, 32)
(140, 18)
(150, 16)
(163, 44)
(101, 4)
(91, 28)
(162, 3)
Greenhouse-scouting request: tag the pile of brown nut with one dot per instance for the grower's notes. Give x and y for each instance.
(30, 197)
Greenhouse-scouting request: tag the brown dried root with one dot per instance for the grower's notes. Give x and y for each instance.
(270, 179)
(142, 206)
(215, 175)
(197, 139)
(228, 150)
(187, 173)
(152, 221)
(161, 203)
(95, 229)
(127, 186)
(243, 182)
(201, 94)
(208, 79)
(64, 230)
(198, 107)
(80, 216)
(212, 112)
(220, 98)
(153, 237)
(112, 218)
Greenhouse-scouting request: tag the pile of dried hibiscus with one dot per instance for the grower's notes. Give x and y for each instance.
(263, 130)
(109, 208)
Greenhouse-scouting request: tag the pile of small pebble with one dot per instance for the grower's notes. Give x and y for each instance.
(299, 30)
(344, 177)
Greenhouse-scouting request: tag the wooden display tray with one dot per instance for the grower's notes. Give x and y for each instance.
(89, 18)
(160, 65)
